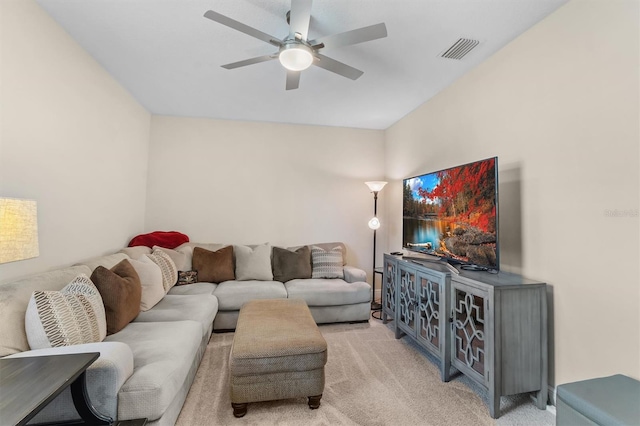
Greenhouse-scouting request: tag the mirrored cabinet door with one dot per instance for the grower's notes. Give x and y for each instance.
(470, 331)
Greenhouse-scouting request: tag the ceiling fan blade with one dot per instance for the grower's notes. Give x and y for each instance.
(348, 38)
(299, 18)
(337, 67)
(239, 26)
(293, 79)
(250, 61)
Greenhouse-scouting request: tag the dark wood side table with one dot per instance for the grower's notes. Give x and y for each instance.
(375, 306)
(29, 384)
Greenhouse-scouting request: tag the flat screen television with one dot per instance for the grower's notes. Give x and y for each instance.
(453, 214)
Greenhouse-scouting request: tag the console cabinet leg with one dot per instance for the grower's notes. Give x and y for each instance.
(494, 406)
(541, 399)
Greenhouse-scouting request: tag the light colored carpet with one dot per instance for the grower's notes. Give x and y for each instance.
(371, 379)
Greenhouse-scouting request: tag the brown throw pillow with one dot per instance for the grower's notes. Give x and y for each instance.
(121, 293)
(214, 266)
(289, 265)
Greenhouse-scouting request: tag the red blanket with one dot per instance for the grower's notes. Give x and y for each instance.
(166, 239)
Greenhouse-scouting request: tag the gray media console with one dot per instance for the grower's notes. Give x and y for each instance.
(489, 327)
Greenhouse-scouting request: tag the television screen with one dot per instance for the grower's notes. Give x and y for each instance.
(452, 213)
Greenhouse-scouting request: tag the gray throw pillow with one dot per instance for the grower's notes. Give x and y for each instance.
(290, 265)
(253, 263)
(326, 263)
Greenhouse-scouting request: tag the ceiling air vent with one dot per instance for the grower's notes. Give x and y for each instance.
(460, 48)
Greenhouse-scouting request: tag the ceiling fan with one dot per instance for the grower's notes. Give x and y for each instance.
(295, 52)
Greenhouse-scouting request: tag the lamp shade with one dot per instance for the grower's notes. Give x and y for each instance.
(374, 223)
(376, 186)
(18, 230)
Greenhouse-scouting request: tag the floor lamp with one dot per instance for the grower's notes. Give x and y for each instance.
(374, 223)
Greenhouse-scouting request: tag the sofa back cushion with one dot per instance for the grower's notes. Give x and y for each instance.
(108, 261)
(121, 293)
(71, 316)
(290, 265)
(253, 263)
(180, 259)
(135, 252)
(214, 266)
(14, 298)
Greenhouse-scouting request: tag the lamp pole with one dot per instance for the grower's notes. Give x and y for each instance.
(374, 305)
(374, 223)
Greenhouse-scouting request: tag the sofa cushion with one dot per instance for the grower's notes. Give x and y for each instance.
(214, 266)
(195, 288)
(135, 252)
(71, 316)
(289, 265)
(179, 258)
(326, 263)
(253, 263)
(167, 267)
(233, 294)
(108, 261)
(14, 298)
(201, 308)
(329, 292)
(121, 293)
(152, 289)
(162, 357)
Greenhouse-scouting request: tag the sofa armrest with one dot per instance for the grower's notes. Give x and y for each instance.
(104, 378)
(353, 274)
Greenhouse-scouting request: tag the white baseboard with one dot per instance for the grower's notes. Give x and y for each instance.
(552, 397)
(551, 403)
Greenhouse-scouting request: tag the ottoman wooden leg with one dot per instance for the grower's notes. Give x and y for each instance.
(314, 401)
(239, 410)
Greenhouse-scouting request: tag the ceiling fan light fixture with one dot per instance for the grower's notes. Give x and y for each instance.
(296, 56)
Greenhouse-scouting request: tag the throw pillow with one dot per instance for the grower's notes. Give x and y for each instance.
(187, 277)
(253, 263)
(121, 293)
(180, 259)
(214, 266)
(168, 268)
(289, 265)
(327, 263)
(152, 289)
(71, 316)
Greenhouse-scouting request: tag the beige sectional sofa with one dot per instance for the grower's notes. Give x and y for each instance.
(146, 369)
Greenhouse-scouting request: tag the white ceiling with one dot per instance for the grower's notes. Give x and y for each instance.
(168, 55)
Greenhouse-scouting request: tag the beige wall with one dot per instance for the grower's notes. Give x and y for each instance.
(71, 138)
(559, 107)
(243, 182)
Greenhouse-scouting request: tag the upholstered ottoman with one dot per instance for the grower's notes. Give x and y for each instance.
(277, 353)
(613, 400)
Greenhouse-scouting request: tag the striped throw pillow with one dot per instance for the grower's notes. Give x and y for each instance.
(326, 263)
(167, 266)
(71, 316)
